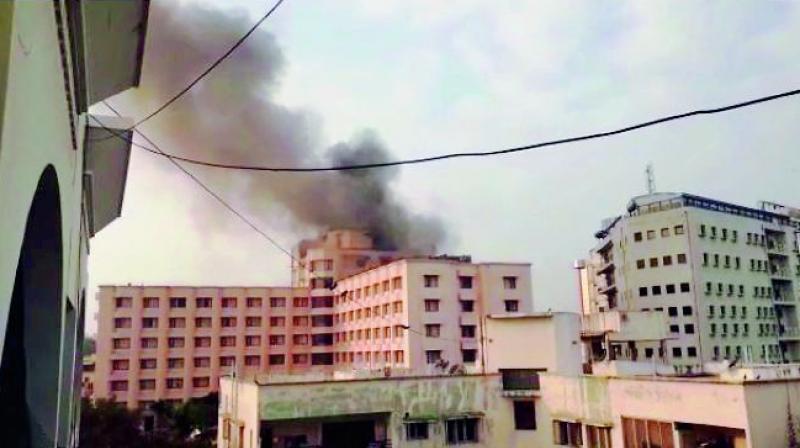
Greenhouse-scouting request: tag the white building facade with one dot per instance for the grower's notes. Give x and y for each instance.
(724, 276)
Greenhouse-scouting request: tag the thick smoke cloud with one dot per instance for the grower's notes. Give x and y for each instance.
(231, 116)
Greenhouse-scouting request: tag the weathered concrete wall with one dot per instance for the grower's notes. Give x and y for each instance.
(770, 406)
(577, 398)
(432, 398)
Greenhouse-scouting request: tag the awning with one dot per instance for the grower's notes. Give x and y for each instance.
(106, 169)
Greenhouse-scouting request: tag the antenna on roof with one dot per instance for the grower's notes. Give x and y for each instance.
(651, 179)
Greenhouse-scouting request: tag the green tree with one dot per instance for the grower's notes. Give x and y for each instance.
(105, 424)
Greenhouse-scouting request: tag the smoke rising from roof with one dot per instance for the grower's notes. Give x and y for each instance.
(231, 116)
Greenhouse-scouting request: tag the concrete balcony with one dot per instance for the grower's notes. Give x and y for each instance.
(625, 325)
(790, 333)
(467, 319)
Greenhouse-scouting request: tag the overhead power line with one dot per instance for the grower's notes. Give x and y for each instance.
(562, 141)
(208, 70)
(202, 185)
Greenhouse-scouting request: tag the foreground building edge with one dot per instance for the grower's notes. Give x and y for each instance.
(61, 184)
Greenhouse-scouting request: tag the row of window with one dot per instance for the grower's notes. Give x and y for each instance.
(369, 312)
(656, 290)
(468, 356)
(150, 384)
(665, 233)
(768, 351)
(228, 341)
(227, 322)
(369, 333)
(456, 431)
(763, 329)
(432, 305)
(738, 290)
(226, 302)
(665, 260)
(723, 235)
(761, 312)
(567, 433)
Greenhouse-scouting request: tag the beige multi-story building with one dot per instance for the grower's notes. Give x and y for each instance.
(421, 314)
(426, 312)
(724, 276)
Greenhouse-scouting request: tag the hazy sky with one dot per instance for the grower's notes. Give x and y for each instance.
(442, 76)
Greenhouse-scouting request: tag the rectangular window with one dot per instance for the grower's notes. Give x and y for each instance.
(640, 264)
(637, 236)
(681, 258)
(416, 430)
(433, 330)
(469, 356)
(685, 287)
(149, 322)
(325, 320)
(467, 306)
(672, 311)
(512, 306)
(252, 321)
(202, 362)
(510, 282)
(202, 381)
(228, 322)
(300, 302)
(322, 302)
(643, 291)
(227, 361)
(177, 322)
(277, 339)
(433, 356)
(202, 302)
(254, 360)
(150, 302)
(665, 232)
(637, 433)
(254, 302)
(174, 383)
(657, 290)
(462, 430)
(651, 234)
(204, 341)
(277, 321)
(119, 386)
(322, 359)
(688, 328)
(679, 230)
(666, 260)
(687, 311)
(123, 302)
(691, 352)
(175, 363)
(202, 322)
(465, 282)
(654, 262)
(677, 352)
(277, 302)
(122, 322)
(300, 358)
(147, 364)
(229, 302)
(670, 289)
(252, 341)
(120, 364)
(300, 339)
(177, 302)
(468, 331)
(431, 281)
(149, 343)
(227, 341)
(567, 433)
(277, 360)
(431, 305)
(524, 415)
(674, 329)
(147, 384)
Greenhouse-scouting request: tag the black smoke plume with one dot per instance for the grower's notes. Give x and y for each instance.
(231, 116)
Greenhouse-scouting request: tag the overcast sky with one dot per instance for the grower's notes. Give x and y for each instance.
(431, 77)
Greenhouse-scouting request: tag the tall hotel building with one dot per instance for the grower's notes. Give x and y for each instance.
(724, 276)
(351, 307)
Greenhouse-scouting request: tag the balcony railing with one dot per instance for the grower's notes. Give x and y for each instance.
(790, 332)
(520, 379)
